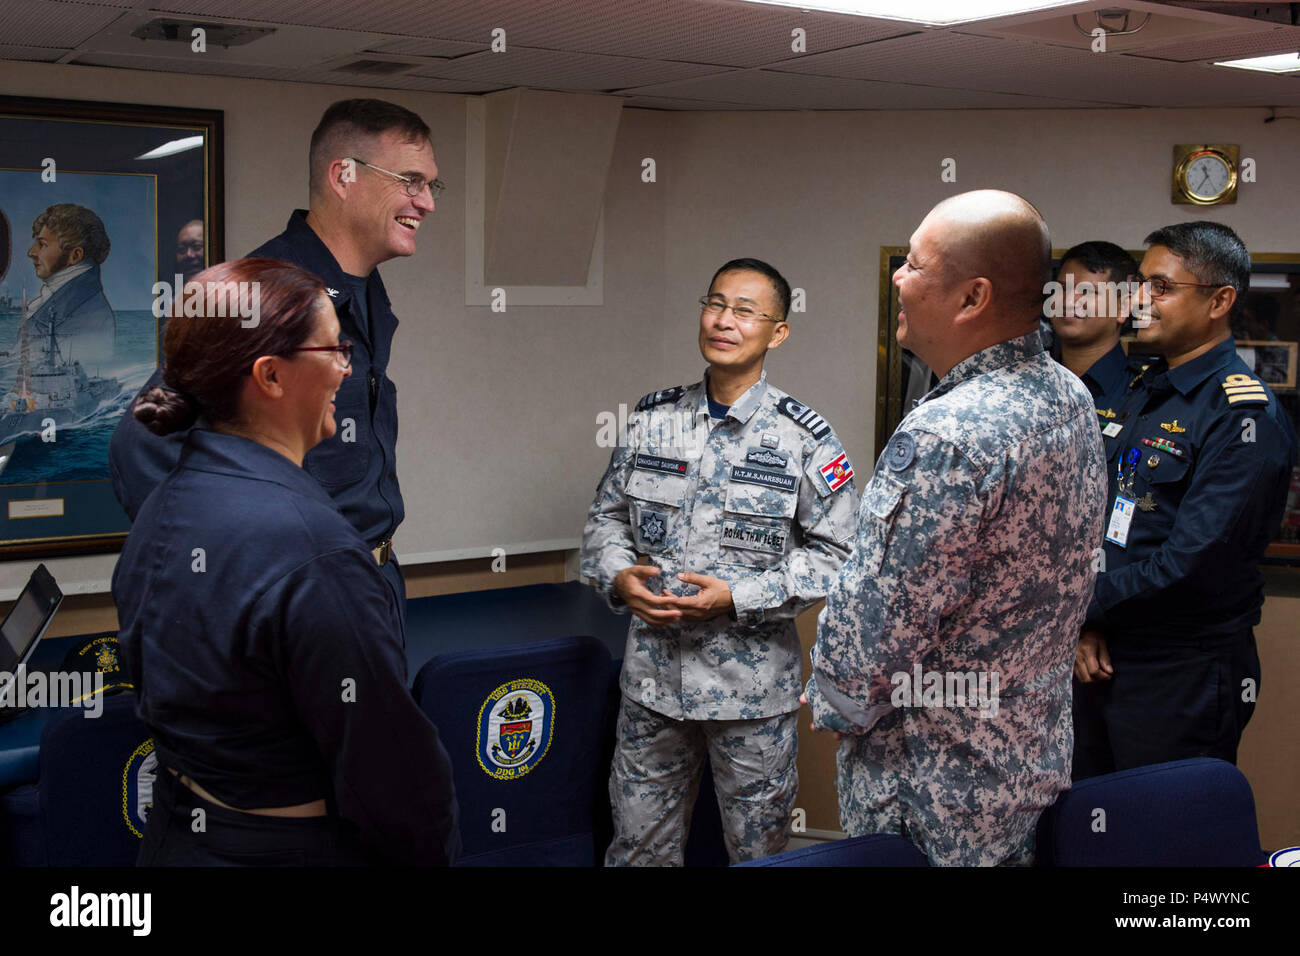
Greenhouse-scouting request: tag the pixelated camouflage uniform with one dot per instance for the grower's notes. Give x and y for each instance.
(743, 500)
(975, 553)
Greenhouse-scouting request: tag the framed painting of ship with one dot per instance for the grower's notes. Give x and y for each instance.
(99, 202)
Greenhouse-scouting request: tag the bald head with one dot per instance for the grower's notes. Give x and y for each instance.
(973, 277)
(1002, 237)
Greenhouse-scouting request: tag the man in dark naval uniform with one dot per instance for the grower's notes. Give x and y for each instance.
(1199, 466)
(373, 180)
(1088, 311)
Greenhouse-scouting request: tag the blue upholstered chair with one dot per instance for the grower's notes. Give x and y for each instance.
(88, 804)
(1197, 812)
(526, 726)
(874, 849)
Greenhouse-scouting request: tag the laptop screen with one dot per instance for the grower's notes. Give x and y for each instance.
(28, 618)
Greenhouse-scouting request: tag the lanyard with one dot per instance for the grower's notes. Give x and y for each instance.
(1131, 457)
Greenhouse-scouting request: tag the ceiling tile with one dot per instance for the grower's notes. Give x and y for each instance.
(796, 91)
(549, 69)
(965, 62)
(43, 53)
(287, 74)
(1282, 40)
(722, 32)
(52, 24)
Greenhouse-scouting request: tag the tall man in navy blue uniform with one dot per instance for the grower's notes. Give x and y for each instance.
(1166, 666)
(373, 180)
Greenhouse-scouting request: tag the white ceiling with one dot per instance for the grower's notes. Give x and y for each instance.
(694, 54)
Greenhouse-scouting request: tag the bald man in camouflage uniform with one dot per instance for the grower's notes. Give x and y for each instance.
(945, 651)
(742, 500)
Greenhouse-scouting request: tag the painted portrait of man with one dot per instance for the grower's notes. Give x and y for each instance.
(69, 244)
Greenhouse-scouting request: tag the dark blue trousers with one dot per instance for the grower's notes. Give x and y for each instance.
(1167, 700)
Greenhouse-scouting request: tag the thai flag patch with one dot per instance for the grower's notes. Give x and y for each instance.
(837, 471)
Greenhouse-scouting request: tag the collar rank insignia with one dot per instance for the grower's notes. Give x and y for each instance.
(659, 397)
(1106, 412)
(805, 416)
(1173, 427)
(332, 293)
(1242, 388)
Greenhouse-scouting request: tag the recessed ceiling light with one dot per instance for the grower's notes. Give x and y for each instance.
(1278, 63)
(175, 146)
(931, 12)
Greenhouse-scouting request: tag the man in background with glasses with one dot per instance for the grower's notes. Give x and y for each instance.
(373, 179)
(1166, 666)
(742, 501)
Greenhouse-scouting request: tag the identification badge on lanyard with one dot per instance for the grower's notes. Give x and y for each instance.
(1120, 519)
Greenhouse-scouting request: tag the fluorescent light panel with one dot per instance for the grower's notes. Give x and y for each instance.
(930, 12)
(1278, 63)
(175, 146)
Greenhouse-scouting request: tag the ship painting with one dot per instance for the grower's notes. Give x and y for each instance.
(53, 387)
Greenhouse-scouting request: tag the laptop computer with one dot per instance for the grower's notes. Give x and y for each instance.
(25, 625)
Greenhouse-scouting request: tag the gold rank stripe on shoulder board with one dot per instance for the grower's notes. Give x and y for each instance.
(1243, 388)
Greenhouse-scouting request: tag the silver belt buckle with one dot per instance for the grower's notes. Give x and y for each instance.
(383, 552)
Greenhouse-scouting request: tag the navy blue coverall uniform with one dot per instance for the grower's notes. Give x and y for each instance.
(360, 475)
(1204, 452)
(266, 652)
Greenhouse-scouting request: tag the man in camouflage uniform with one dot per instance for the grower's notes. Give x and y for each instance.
(945, 650)
(743, 501)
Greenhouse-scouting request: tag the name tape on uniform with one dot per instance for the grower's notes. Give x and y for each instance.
(752, 537)
(761, 476)
(669, 466)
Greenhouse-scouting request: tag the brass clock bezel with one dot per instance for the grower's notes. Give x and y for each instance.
(1185, 155)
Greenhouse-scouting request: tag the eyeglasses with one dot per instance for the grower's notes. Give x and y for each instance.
(743, 313)
(342, 351)
(1158, 287)
(414, 185)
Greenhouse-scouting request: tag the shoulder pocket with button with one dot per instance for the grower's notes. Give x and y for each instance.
(876, 515)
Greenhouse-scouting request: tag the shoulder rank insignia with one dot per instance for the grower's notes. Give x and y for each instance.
(660, 397)
(1173, 427)
(805, 416)
(1242, 388)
